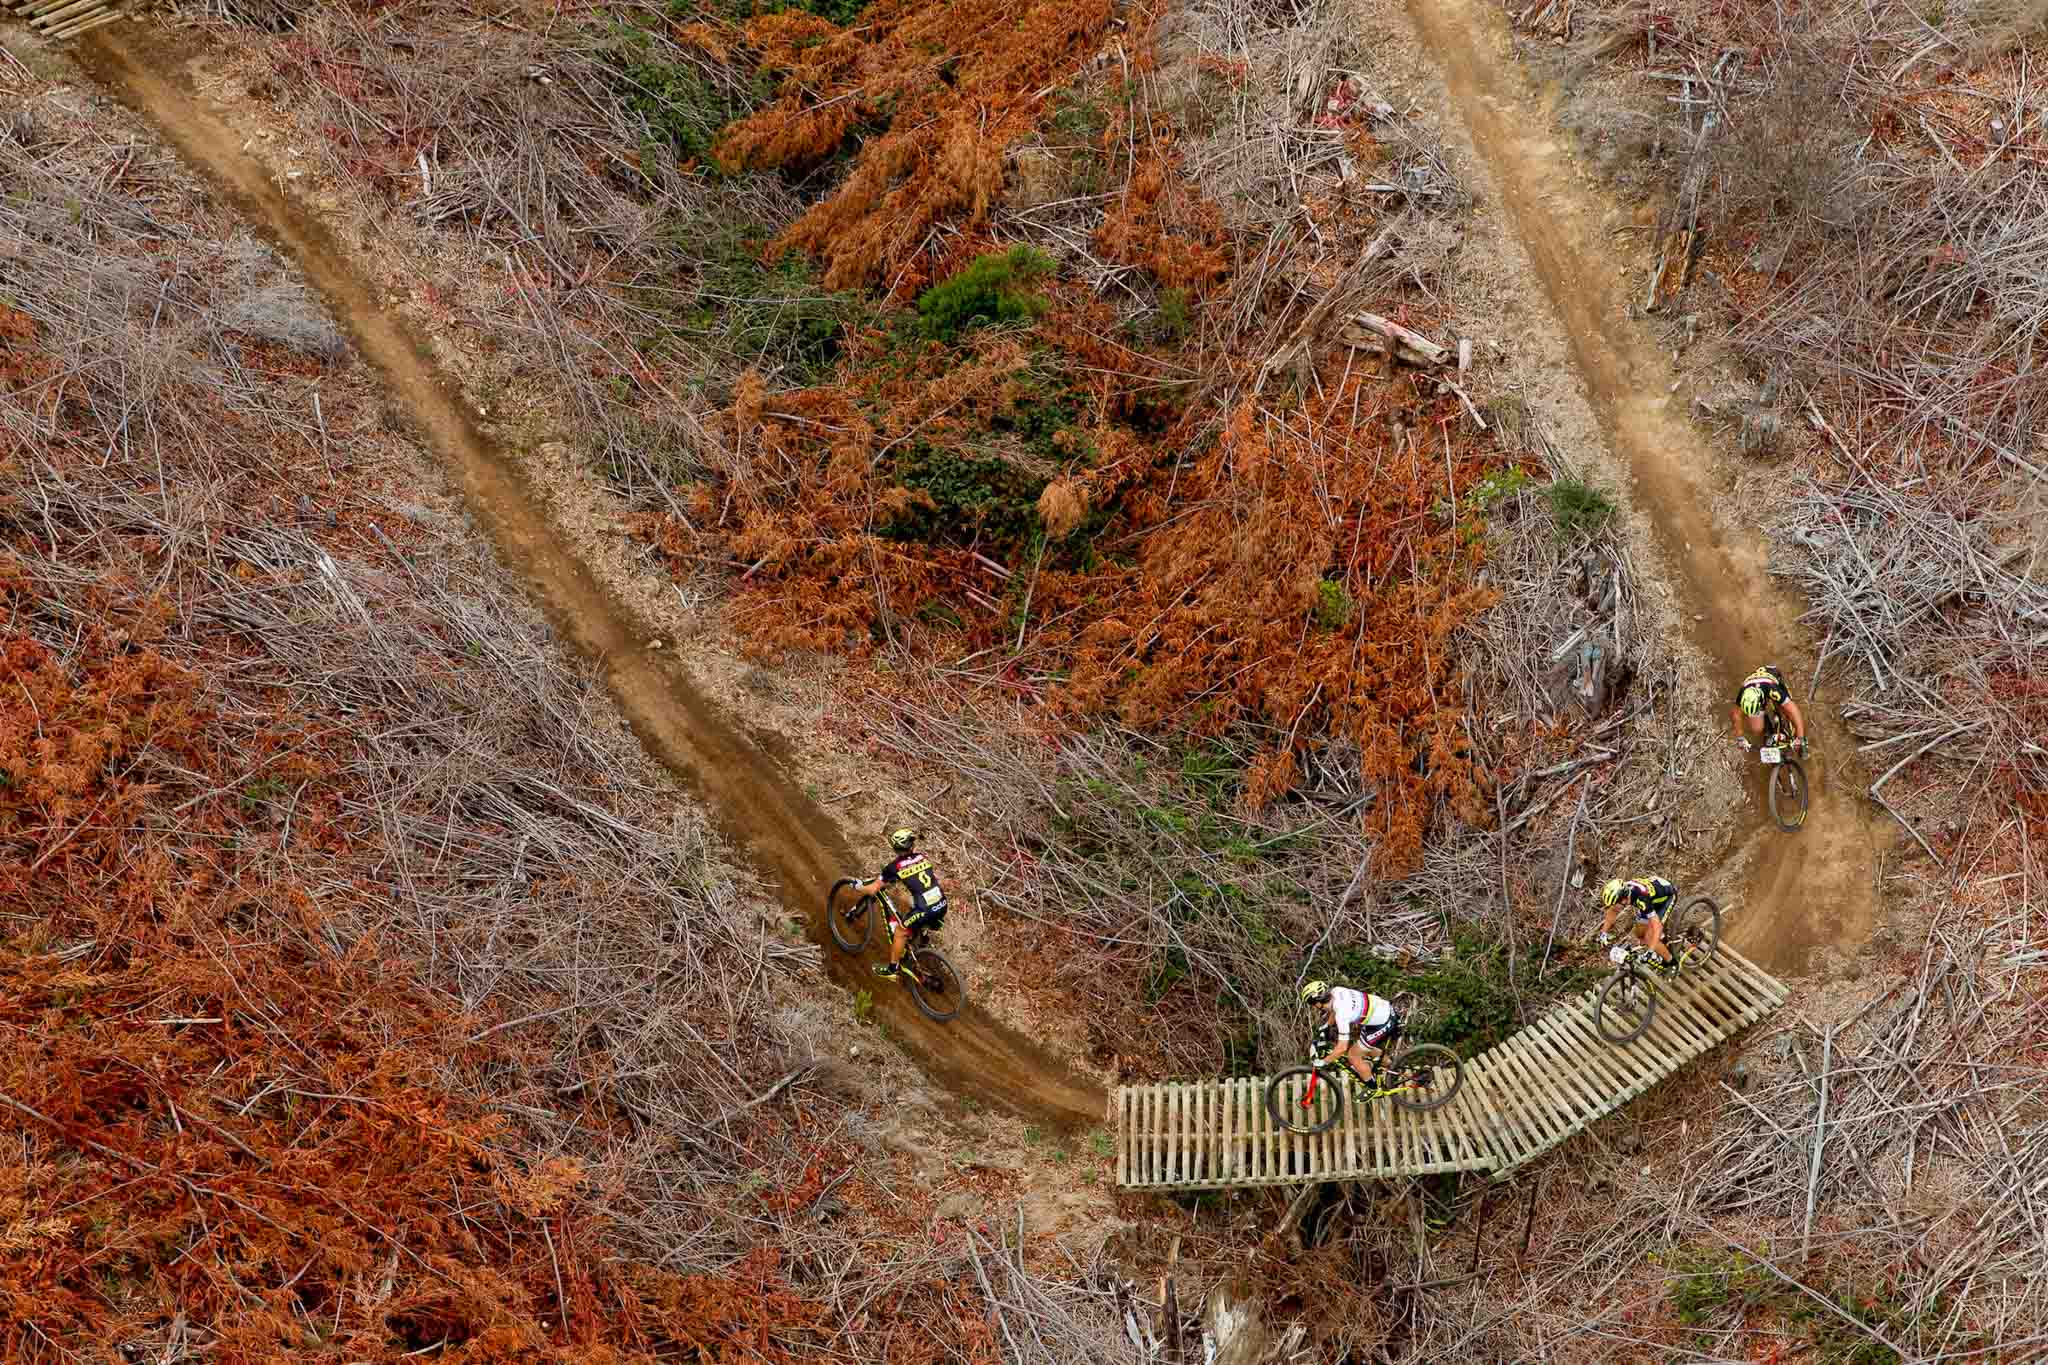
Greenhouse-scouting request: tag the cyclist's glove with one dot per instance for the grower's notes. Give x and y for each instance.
(1605, 939)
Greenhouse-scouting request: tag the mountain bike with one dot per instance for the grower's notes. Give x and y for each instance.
(1419, 1076)
(933, 983)
(1787, 785)
(1627, 1000)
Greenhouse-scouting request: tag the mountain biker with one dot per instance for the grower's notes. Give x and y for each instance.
(913, 872)
(1763, 704)
(1652, 898)
(1377, 1021)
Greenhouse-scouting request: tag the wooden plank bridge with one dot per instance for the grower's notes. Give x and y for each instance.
(66, 18)
(1521, 1098)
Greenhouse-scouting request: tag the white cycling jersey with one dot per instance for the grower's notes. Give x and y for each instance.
(1354, 1007)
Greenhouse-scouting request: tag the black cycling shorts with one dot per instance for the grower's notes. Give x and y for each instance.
(1382, 1037)
(931, 920)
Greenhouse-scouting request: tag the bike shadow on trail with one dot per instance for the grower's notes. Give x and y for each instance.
(793, 844)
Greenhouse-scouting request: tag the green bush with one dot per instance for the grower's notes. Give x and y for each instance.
(840, 12)
(1174, 318)
(1333, 605)
(684, 108)
(991, 288)
(1578, 507)
(1467, 999)
(992, 497)
(771, 314)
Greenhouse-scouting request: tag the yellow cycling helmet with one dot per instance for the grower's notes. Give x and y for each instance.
(1315, 992)
(1752, 701)
(1611, 892)
(902, 839)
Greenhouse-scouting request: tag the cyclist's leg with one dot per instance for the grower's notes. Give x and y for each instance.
(899, 935)
(1376, 1044)
(1653, 938)
(1353, 1058)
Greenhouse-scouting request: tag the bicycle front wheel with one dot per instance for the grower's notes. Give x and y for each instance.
(1302, 1101)
(1431, 1074)
(934, 985)
(1788, 795)
(1698, 926)
(850, 917)
(1624, 1007)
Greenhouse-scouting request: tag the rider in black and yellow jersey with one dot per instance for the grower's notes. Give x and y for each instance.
(913, 872)
(1764, 706)
(1653, 899)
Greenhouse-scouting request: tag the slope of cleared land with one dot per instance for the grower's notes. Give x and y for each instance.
(1053, 426)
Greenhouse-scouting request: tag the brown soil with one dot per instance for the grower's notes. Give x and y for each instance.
(793, 842)
(1806, 891)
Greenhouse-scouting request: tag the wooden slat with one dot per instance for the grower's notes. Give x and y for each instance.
(1542, 1125)
(1504, 1136)
(1180, 1131)
(1123, 1134)
(1569, 1082)
(1522, 1097)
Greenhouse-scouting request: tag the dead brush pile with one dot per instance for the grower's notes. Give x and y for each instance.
(1870, 190)
(367, 993)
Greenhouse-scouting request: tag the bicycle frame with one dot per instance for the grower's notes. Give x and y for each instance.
(1368, 1090)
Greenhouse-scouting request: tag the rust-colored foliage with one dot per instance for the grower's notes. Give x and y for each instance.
(956, 84)
(1304, 574)
(203, 1116)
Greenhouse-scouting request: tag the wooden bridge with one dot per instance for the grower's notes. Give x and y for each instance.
(1520, 1099)
(65, 18)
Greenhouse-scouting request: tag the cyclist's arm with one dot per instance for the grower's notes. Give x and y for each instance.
(1607, 920)
(1735, 713)
(1791, 710)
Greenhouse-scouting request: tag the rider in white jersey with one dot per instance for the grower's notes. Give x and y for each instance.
(1365, 1025)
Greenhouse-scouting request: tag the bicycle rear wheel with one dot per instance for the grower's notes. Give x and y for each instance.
(851, 919)
(1699, 926)
(1788, 794)
(1626, 1004)
(1301, 1101)
(1435, 1075)
(934, 985)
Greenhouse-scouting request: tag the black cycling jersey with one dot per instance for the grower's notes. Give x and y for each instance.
(1649, 895)
(1772, 682)
(915, 874)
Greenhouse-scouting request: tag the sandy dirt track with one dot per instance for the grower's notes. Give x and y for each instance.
(759, 810)
(1802, 892)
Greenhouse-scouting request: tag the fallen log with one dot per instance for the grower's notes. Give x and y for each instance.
(1409, 344)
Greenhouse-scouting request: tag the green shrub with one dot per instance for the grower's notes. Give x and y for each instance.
(773, 315)
(1333, 605)
(1468, 1002)
(989, 496)
(991, 288)
(683, 107)
(1174, 319)
(1578, 507)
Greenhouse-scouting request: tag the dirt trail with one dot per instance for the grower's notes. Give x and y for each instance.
(757, 808)
(1803, 891)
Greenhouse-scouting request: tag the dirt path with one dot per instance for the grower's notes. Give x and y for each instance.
(756, 807)
(1803, 891)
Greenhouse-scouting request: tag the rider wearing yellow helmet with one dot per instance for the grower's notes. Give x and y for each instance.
(1653, 898)
(1760, 702)
(913, 872)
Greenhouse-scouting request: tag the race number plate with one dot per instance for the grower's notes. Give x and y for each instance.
(1771, 755)
(1617, 954)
